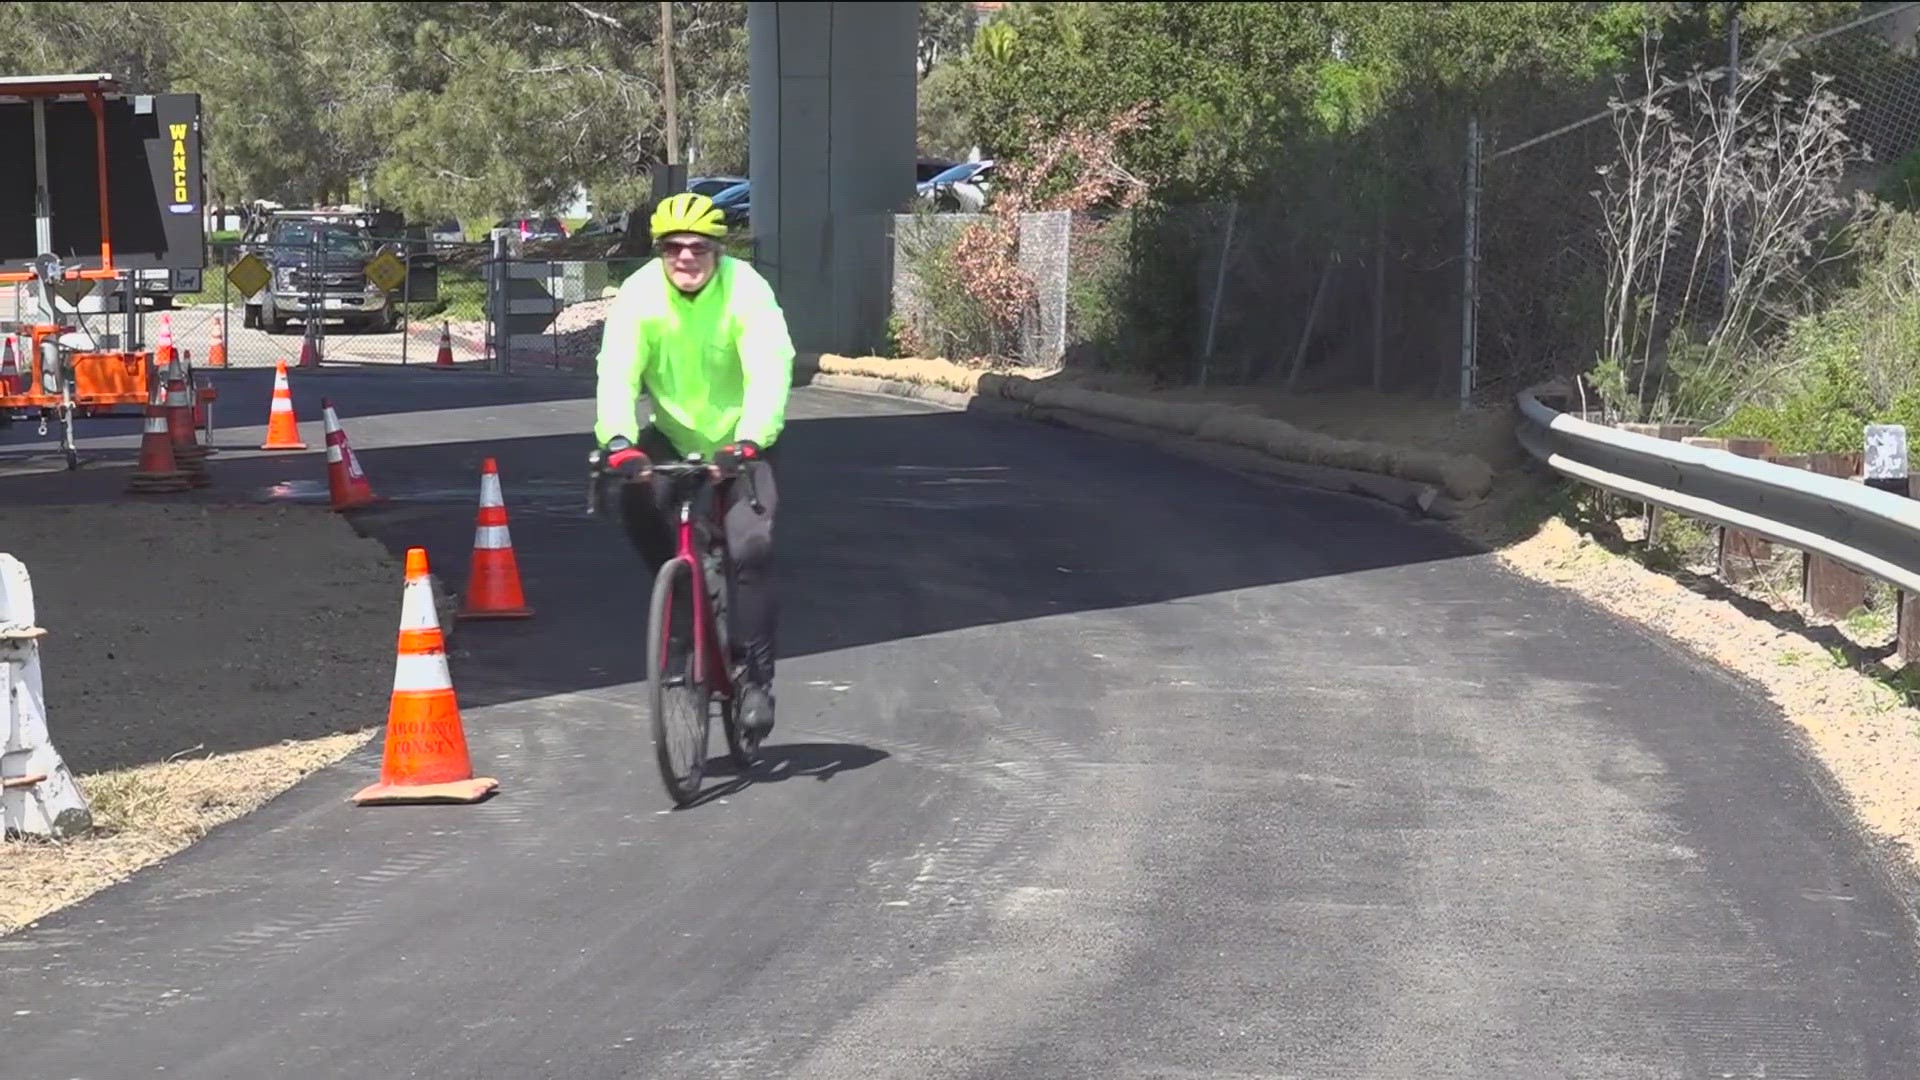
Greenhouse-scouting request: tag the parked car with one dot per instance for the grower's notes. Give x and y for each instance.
(964, 187)
(447, 234)
(713, 185)
(735, 204)
(928, 168)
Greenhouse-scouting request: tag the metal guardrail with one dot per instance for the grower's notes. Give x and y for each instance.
(1871, 531)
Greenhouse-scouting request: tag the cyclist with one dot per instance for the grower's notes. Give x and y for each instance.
(704, 334)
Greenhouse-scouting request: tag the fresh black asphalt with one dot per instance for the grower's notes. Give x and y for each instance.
(1090, 762)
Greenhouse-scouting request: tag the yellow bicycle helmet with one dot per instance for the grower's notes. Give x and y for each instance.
(688, 213)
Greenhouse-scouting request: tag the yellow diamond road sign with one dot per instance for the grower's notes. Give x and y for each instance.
(387, 271)
(249, 275)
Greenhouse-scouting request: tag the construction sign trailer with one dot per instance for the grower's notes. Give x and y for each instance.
(79, 214)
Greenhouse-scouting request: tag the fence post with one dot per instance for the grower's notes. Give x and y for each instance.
(1469, 295)
(1219, 286)
(499, 287)
(1379, 298)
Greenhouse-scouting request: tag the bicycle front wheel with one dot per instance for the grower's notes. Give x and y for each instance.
(680, 705)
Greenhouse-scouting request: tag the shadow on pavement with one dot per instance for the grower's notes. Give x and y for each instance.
(890, 527)
(893, 525)
(779, 762)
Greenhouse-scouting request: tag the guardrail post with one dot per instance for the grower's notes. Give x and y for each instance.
(1742, 554)
(1831, 590)
(1885, 469)
(1672, 433)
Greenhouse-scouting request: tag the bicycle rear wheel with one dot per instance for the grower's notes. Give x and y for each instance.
(680, 703)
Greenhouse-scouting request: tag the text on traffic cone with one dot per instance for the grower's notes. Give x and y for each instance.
(493, 584)
(425, 757)
(283, 431)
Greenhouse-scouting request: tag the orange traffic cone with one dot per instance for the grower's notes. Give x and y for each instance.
(425, 759)
(164, 355)
(157, 471)
(308, 358)
(10, 380)
(493, 583)
(445, 358)
(283, 431)
(217, 356)
(346, 484)
(188, 454)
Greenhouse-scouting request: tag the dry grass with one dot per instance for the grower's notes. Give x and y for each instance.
(145, 814)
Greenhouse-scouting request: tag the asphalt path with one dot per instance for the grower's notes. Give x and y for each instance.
(1090, 762)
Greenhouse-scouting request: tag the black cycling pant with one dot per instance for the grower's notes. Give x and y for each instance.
(646, 511)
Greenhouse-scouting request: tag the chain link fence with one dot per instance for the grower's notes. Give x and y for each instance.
(1454, 247)
(314, 296)
(1543, 269)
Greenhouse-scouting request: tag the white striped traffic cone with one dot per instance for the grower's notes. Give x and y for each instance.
(346, 484)
(425, 759)
(493, 584)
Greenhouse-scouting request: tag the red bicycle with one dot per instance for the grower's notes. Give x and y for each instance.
(687, 631)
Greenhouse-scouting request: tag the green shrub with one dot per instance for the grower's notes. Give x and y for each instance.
(1854, 362)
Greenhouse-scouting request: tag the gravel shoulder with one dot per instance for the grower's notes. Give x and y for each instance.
(200, 660)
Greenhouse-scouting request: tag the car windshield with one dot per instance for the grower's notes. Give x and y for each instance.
(338, 241)
(957, 173)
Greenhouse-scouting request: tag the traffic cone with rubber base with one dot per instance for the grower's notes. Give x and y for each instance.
(188, 454)
(347, 485)
(283, 431)
(493, 584)
(157, 470)
(425, 758)
(445, 356)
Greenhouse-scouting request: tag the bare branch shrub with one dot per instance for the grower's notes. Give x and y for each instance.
(1078, 169)
(1682, 343)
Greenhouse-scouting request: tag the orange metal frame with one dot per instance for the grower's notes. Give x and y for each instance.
(99, 378)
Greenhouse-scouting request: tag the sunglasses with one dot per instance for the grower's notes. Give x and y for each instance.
(673, 249)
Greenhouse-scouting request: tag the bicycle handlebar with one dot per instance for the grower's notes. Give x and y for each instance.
(690, 466)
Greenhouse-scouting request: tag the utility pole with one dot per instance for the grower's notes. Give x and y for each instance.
(674, 181)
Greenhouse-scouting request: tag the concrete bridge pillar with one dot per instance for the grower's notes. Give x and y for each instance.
(832, 94)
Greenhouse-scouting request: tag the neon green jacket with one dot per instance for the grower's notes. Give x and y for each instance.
(717, 366)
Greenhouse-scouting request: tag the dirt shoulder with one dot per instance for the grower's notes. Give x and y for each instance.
(200, 660)
(1836, 681)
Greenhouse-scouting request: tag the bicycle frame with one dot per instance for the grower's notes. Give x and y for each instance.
(693, 481)
(706, 633)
